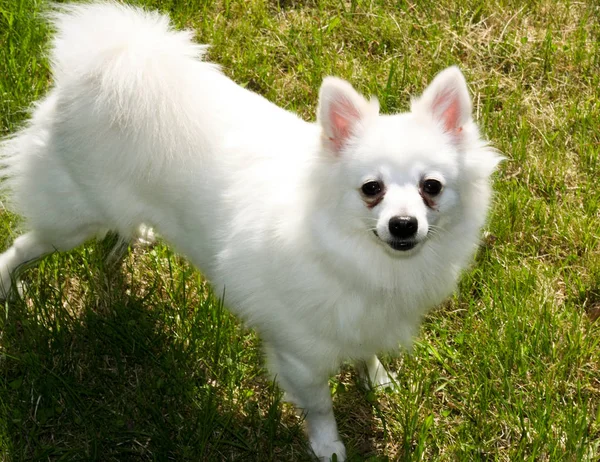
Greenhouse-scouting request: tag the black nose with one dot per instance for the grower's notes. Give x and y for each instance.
(403, 227)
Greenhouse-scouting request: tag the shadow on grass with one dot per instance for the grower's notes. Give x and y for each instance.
(132, 373)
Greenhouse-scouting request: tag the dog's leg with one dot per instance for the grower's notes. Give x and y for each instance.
(145, 236)
(28, 248)
(373, 374)
(309, 390)
(117, 246)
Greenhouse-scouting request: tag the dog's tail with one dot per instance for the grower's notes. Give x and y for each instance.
(121, 65)
(92, 38)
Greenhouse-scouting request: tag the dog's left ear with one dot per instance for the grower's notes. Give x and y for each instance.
(446, 100)
(342, 113)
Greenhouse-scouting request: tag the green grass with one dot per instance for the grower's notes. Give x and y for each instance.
(137, 361)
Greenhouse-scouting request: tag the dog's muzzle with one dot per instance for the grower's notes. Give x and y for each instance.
(401, 245)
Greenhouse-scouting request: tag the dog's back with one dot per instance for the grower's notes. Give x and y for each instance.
(132, 128)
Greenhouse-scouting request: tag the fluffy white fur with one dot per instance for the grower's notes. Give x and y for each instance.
(139, 130)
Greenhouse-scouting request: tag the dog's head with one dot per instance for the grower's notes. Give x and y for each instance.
(404, 179)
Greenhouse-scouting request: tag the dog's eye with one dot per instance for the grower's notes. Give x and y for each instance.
(431, 187)
(371, 188)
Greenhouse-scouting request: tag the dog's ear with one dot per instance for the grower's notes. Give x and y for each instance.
(342, 113)
(446, 100)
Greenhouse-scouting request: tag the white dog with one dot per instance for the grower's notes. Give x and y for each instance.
(331, 238)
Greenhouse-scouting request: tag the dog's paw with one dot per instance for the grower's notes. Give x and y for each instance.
(329, 450)
(146, 237)
(374, 375)
(7, 289)
(383, 379)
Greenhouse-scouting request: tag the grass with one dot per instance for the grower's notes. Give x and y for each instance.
(138, 361)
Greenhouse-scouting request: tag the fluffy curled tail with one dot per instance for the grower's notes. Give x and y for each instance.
(90, 37)
(118, 70)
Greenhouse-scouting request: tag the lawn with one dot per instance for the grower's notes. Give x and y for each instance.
(136, 360)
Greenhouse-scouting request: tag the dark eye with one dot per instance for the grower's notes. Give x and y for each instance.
(371, 188)
(431, 187)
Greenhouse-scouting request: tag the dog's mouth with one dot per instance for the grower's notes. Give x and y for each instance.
(401, 245)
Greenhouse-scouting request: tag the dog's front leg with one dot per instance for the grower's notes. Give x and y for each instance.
(373, 374)
(307, 386)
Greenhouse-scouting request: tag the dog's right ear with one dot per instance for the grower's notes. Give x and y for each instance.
(446, 101)
(342, 113)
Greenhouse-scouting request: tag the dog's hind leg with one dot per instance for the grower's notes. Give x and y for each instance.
(26, 248)
(146, 236)
(30, 247)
